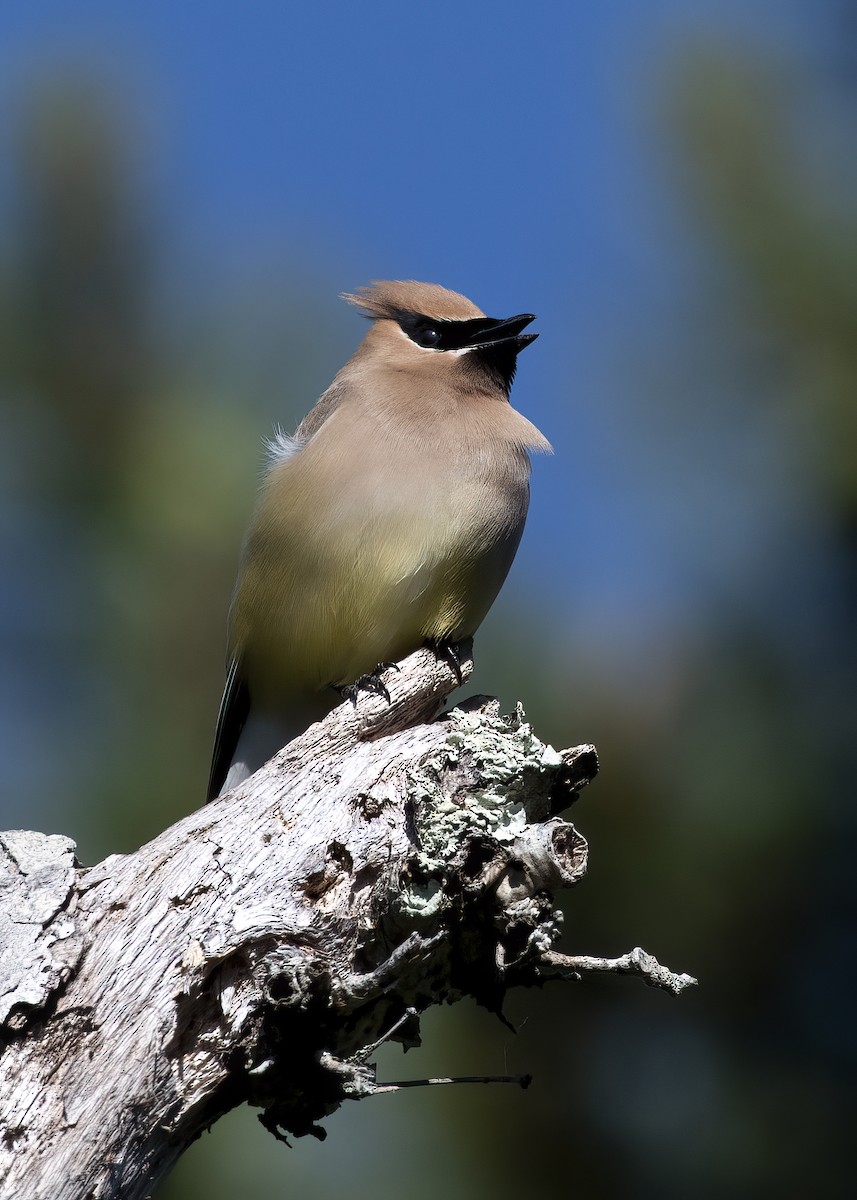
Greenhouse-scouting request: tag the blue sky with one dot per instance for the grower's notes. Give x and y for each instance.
(512, 153)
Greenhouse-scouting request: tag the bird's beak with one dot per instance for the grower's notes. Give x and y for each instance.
(488, 331)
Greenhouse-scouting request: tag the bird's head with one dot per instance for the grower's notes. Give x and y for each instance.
(421, 327)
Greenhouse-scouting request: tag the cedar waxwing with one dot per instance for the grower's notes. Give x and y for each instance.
(388, 520)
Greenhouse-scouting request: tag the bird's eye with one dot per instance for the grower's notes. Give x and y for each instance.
(428, 336)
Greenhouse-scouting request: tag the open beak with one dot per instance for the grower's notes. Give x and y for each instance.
(487, 331)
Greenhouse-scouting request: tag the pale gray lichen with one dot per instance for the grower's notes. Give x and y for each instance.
(421, 903)
(514, 769)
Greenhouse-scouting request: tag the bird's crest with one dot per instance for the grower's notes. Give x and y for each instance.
(390, 298)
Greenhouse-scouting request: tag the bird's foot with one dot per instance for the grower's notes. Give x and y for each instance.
(371, 682)
(446, 650)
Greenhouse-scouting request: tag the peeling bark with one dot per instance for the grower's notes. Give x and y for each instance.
(261, 949)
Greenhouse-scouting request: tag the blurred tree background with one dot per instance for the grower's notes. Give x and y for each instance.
(713, 666)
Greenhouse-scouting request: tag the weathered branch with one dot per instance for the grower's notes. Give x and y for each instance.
(263, 947)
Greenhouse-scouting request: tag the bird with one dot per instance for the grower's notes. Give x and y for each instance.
(387, 521)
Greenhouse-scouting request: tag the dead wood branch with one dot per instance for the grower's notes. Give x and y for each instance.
(260, 949)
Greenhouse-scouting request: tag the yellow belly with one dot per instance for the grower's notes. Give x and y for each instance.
(336, 580)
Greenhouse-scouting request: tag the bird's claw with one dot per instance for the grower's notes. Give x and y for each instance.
(370, 682)
(446, 650)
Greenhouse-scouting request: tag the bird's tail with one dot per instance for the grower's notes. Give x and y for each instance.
(263, 734)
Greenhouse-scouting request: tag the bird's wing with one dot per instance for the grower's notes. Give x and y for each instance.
(234, 710)
(323, 408)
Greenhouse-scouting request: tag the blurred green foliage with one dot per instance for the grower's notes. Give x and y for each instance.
(722, 830)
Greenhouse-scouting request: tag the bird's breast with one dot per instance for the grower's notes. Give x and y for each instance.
(363, 548)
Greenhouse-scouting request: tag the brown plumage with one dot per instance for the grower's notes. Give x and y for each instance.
(391, 518)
